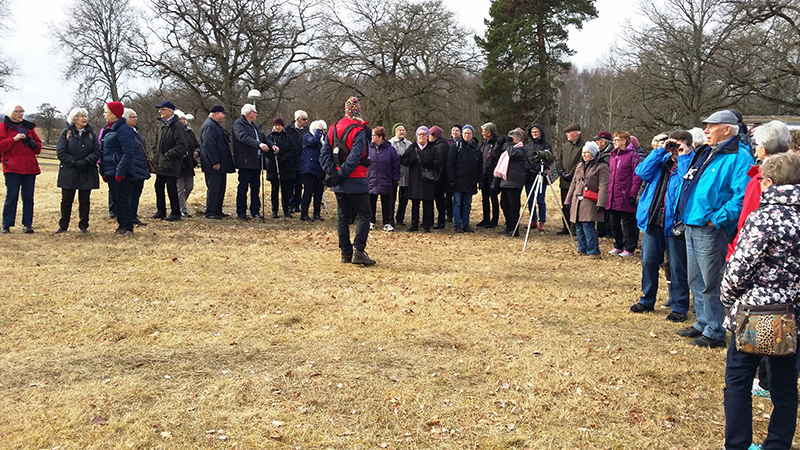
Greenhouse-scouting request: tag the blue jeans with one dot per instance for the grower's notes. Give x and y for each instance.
(122, 191)
(540, 203)
(654, 244)
(14, 183)
(706, 247)
(740, 370)
(462, 207)
(587, 238)
(679, 284)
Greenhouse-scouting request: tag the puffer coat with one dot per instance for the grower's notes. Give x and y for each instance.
(74, 146)
(384, 169)
(592, 175)
(765, 267)
(415, 159)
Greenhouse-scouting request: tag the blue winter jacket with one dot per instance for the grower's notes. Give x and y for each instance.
(649, 171)
(719, 192)
(140, 168)
(309, 159)
(118, 146)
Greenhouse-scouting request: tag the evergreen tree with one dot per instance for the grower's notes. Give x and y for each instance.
(526, 49)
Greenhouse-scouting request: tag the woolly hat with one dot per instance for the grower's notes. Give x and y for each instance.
(458, 126)
(352, 107)
(116, 108)
(278, 121)
(572, 127)
(468, 127)
(422, 128)
(592, 147)
(436, 131)
(635, 142)
(394, 127)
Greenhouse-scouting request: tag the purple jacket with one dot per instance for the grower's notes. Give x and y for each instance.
(384, 168)
(623, 183)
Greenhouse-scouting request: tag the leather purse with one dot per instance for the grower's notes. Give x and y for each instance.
(766, 330)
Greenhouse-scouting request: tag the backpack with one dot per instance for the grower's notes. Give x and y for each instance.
(340, 150)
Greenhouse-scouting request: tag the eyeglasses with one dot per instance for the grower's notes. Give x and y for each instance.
(305, 119)
(19, 111)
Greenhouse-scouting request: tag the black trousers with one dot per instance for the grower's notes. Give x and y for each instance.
(285, 187)
(172, 191)
(67, 197)
(444, 205)
(296, 196)
(624, 229)
(510, 202)
(491, 206)
(345, 205)
(215, 193)
(387, 207)
(136, 193)
(248, 179)
(312, 186)
(402, 204)
(427, 214)
(121, 192)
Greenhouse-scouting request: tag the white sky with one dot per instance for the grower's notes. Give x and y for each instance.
(40, 78)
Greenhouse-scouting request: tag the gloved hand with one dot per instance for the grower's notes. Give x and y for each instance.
(81, 164)
(119, 178)
(332, 179)
(365, 161)
(104, 179)
(600, 209)
(632, 201)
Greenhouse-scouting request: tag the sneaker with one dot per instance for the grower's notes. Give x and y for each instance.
(690, 332)
(371, 226)
(640, 308)
(388, 227)
(705, 341)
(758, 391)
(625, 254)
(27, 229)
(257, 216)
(615, 251)
(755, 446)
(5, 230)
(676, 317)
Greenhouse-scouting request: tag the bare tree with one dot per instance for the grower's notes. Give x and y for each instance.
(95, 36)
(48, 117)
(220, 49)
(686, 61)
(7, 66)
(402, 65)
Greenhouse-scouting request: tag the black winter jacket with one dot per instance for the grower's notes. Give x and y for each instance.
(78, 155)
(288, 157)
(215, 148)
(464, 167)
(246, 140)
(170, 148)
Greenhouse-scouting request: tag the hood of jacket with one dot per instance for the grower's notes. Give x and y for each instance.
(785, 195)
(530, 138)
(25, 124)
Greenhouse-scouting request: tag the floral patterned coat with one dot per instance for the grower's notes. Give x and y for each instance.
(765, 267)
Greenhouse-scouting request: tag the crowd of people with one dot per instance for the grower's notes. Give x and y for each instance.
(724, 229)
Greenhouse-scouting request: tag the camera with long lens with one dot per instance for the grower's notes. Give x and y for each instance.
(29, 142)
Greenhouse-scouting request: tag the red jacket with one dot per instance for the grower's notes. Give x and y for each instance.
(16, 156)
(360, 171)
(750, 203)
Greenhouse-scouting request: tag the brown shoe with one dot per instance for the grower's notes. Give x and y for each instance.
(361, 257)
(541, 226)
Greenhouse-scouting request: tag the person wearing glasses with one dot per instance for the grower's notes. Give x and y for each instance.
(297, 129)
(248, 143)
(19, 146)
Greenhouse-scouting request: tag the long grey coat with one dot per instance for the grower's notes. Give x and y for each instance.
(593, 176)
(79, 146)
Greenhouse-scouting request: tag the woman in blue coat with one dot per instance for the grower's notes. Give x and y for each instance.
(382, 175)
(118, 146)
(311, 170)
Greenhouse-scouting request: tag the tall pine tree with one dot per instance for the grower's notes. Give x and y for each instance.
(526, 50)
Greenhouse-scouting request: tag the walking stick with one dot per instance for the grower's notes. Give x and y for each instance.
(262, 176)
(280, 186)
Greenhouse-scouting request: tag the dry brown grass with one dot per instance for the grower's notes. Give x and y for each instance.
(192, 332)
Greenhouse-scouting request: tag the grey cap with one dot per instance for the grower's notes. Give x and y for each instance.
(725, 117)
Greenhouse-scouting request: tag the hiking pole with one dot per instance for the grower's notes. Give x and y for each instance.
(280, 184)
(263, 178)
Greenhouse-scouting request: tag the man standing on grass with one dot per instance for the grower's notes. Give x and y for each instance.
(709, 203)
(248, 144)
(348, 180)
(215, 160)
(297, 130)
(567, 158)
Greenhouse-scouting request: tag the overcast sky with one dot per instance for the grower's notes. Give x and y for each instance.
(40, 80)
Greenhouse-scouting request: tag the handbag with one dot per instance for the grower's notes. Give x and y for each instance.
(150, 166)
(427, 173)
(589, 195)
(766, 330)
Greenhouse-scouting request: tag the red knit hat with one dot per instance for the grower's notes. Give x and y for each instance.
(116, 108)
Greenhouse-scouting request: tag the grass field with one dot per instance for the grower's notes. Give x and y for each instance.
(225, 334)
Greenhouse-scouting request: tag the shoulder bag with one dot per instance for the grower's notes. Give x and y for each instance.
(766, 330)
